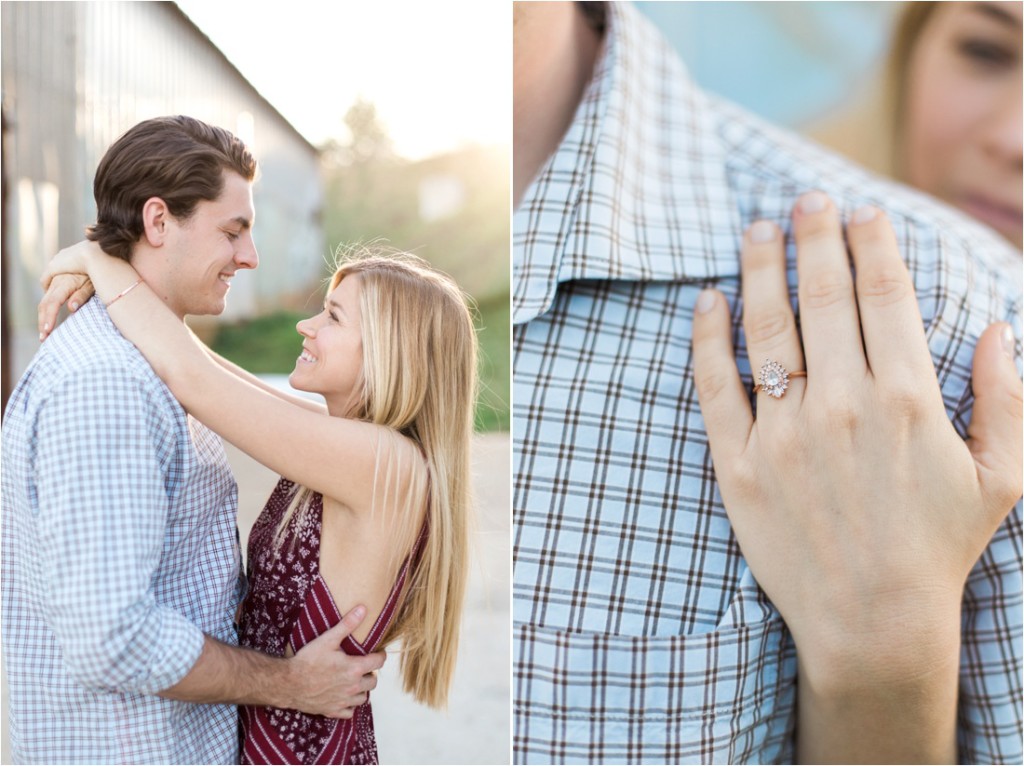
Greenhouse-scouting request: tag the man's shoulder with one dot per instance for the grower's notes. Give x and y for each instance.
(84, 352)
(768, 163)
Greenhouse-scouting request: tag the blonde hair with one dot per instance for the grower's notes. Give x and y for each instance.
(419, 380)
(913, 19)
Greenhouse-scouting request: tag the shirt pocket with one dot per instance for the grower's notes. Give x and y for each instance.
(724, 696)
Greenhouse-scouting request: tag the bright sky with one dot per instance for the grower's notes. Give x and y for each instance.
(439, 73)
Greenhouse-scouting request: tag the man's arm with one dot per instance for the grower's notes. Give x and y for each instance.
(320, 679)
(103, 517)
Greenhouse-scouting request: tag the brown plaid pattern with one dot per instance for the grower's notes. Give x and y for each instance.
(640, 635)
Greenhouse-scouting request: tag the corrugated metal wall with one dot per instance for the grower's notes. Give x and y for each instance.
(76, 76)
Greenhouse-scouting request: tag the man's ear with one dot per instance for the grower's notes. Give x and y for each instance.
(155, 219)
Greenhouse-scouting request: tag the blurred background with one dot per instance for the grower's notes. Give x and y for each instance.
(794, 63)
(372, 122)
(819, 68)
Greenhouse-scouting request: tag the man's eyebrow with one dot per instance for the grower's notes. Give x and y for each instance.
(241, 220)
(993, 11)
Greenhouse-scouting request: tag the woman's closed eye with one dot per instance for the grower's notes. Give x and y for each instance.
(986, 54)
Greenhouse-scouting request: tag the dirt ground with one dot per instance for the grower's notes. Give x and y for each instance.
(476, 727)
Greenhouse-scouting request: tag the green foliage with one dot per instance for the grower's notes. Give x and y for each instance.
(267, 344)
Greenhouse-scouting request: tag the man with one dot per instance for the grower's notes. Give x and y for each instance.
(121, 563)
(639, 633)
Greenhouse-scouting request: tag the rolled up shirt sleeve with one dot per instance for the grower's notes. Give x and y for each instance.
(102, 472)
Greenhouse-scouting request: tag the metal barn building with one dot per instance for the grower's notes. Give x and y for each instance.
(75, 77)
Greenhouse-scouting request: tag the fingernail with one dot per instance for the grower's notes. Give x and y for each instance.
(74, 305)
(46, 326)
(41, 336)
(864, 214)
(813, 202)
(359, 611)
(762, 231)
(1008, 341)
(705, 301)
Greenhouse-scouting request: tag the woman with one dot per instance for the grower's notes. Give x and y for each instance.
(856, 504)
(948, 120)
(374, 507)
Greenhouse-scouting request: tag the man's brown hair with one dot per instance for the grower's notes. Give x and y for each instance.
(178, 159)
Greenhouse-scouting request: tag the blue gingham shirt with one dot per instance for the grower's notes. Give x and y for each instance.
(639, 634)
(120, 550)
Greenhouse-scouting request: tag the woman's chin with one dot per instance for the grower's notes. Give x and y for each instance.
(295, 381)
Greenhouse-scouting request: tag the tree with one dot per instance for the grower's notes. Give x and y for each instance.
(368, 138)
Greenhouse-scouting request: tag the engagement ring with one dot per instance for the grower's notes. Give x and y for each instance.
(774, 378)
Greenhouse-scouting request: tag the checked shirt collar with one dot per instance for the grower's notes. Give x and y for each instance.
(637, 190)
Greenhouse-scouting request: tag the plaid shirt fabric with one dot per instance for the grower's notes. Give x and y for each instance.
(120, 550)
(640, 635)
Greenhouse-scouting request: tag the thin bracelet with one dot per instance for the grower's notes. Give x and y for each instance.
(124, 292)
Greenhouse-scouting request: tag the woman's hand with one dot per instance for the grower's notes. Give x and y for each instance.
(857, 506)
(95, 271)
(66, 280)
(72, 260)
(70, 289)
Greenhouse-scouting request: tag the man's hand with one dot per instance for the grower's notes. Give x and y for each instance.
(326, 680)
(320, 679)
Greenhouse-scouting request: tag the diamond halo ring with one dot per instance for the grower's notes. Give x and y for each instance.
(774, 378)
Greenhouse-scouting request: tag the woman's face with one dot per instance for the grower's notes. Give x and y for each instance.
(962, 129)
(332, 349)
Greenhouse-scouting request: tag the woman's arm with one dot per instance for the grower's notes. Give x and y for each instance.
(248, 377)
(74, 290)
(332, 455)
(857, 506)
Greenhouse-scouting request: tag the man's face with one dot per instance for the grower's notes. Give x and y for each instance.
(204, 252)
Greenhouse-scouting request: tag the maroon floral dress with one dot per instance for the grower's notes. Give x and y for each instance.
(289, 604)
